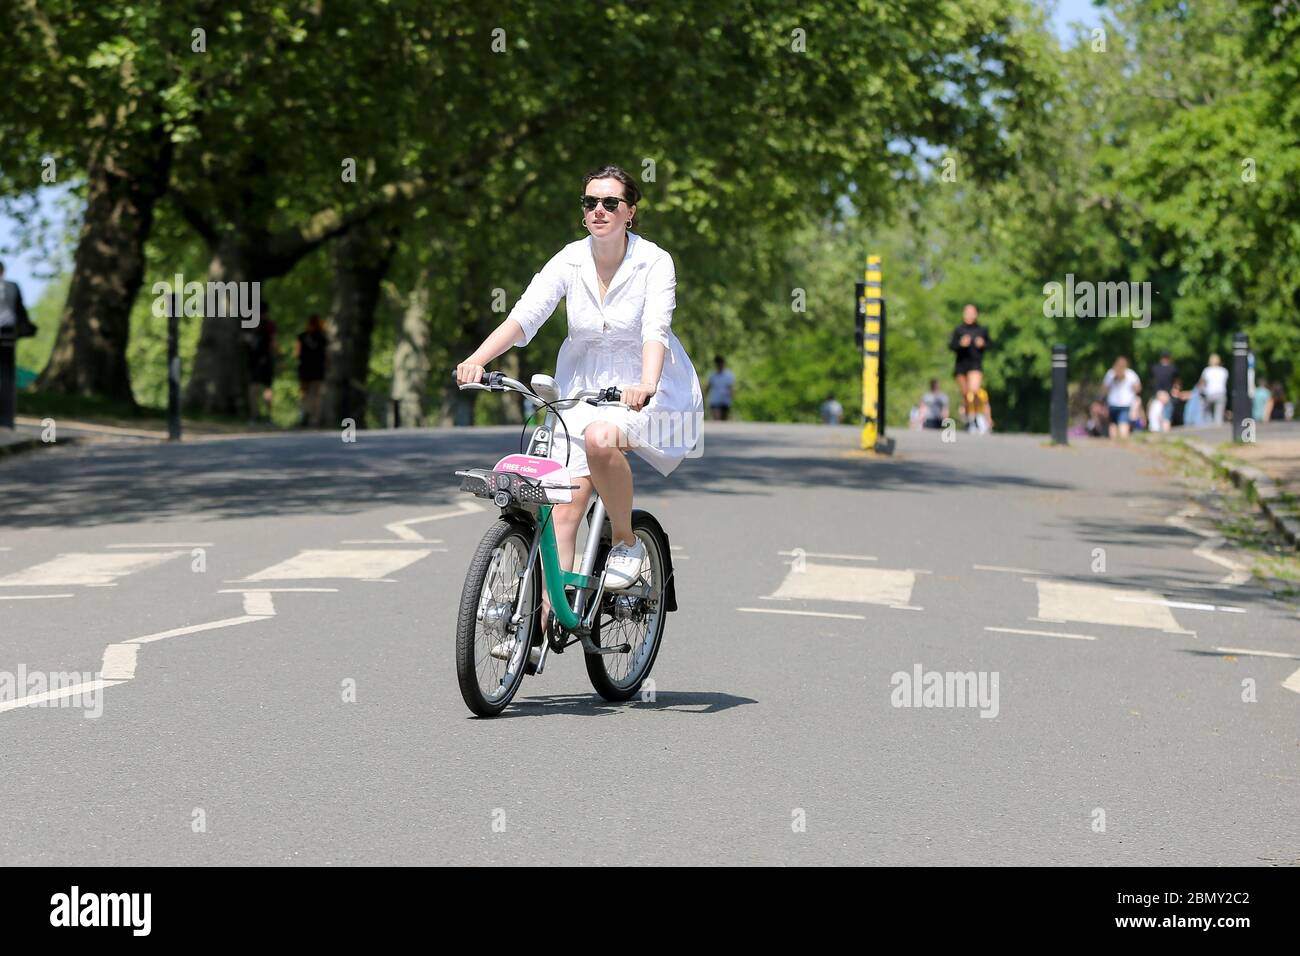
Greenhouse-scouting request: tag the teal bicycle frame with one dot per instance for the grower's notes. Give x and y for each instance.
(544, 547)
(556, 579)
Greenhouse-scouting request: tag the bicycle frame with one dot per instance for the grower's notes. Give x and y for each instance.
(544, 546)
(556, 578)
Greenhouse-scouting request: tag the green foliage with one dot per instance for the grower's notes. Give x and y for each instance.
(767, 167)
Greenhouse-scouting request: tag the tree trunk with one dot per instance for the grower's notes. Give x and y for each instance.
(126, 179)
(219, 383)
(361, 260)
(411, 359)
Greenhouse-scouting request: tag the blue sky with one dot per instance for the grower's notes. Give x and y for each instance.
(30, 270)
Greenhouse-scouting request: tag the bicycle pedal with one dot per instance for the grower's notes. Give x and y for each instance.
(614, 649)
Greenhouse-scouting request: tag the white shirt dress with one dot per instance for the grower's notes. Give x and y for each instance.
(603, 348)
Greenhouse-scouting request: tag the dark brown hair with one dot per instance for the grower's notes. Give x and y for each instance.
(630, 191)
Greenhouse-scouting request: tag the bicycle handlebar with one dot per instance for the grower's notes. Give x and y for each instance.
(499, 381)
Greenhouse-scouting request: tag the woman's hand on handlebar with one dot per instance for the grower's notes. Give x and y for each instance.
(467, 373)
(636, 396)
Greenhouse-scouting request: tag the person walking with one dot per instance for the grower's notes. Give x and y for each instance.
(312, 350)
(1214, 382)
(1275, 409)
(721, 384)
(1163, 374)
(14, 319)
(1122, 388)
(1259, 401)
(832, 411)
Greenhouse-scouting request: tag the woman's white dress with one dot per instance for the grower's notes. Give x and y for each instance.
(603, 348)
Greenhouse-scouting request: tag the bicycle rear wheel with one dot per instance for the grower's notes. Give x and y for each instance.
(488, 682)
(635, 617)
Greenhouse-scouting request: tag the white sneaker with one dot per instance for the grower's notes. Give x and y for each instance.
(624, 565)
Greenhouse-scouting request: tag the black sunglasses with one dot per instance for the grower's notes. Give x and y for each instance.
(609, 202)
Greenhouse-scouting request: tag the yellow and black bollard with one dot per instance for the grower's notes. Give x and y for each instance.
(871, 338)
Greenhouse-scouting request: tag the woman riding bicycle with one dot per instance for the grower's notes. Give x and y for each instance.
(619, 291)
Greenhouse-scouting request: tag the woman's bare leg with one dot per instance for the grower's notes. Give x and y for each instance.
(607, 446)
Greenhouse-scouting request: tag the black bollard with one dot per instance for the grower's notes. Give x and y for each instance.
(8, 377)
(1241, 404)
(174, 369)
(1060, 395)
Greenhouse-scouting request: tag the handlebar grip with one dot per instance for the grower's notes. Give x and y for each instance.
(490, 379)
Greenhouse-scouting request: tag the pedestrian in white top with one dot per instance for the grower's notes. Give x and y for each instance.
(1214, 384)
(1122, 387)
(721, 384)
(620, 292)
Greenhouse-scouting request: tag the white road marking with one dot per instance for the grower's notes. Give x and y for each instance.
(1239, 573)
(73, 691)
(906, 607)
(1099, 604)
(829, 582)
(120, 659)
(1249, 653)
(1017, 630)
(6, 549)
(396, 541)
(277, 590)
(259, 603)
(119, 662)
(403, 530)
(171, 544)
(773, 610)
(1188, 605)
(86, 569)
(1293, 682)
(339, 564)
(994, 567)
(32, 597)
(822, 554)
(196, 628)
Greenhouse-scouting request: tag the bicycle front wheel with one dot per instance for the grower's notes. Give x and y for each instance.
(491, 651)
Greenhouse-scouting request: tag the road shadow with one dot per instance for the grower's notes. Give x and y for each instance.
(593, 705)
(318, 474)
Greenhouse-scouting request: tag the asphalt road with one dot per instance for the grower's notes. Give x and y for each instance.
(811, 581)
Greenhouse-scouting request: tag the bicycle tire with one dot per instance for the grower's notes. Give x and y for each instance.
(498, 536)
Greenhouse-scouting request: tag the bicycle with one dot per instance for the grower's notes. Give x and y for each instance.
(500, 617)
